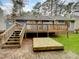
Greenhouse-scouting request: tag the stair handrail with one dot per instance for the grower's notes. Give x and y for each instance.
(22, 33)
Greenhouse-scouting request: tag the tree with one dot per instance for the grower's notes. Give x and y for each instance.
(75, 4)
(34, 12)
(61, 6)
(51, 5)
(14, 10)
(36, 8)
(69, 7)
(20, 7)
(54, 6)
(17, 7)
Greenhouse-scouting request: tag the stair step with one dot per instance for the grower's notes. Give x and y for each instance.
(17, 31)
(12, 43)
(15, 35)
(11, 46)
(13, 39)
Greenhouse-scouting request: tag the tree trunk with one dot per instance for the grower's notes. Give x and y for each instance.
(51, 6)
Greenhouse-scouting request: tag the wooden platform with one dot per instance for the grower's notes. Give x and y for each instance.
(40, 44)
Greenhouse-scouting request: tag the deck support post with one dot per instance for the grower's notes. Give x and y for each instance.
(67, 24)
(37, 34)
(67, 32)
(53, 24)
(37, 29)
(48, 34)
(42, 25)
(25, 34)
(47, 31)
(25, 30)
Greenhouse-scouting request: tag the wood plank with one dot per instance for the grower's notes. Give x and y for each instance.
(49, 30)
(46, 44)
(13, 41)
(22, 34)
(11, 46)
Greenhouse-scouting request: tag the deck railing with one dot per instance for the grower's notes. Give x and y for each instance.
(46, 27)
(57, 27)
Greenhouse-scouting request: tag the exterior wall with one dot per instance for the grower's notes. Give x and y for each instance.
(71, 26)
(77, 24)
(2, 21)
(76, 13)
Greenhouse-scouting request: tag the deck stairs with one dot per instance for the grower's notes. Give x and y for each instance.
(15, 40)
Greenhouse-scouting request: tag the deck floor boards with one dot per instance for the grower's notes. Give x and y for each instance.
(26, 52)
(46, 44)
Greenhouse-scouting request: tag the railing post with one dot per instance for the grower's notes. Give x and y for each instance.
(37, 29)
(67, 32)
(67, 24)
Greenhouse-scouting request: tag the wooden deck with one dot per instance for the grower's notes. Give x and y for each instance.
(40, 44)
(26, 52)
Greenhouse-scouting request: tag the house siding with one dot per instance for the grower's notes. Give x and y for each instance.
(77, 24)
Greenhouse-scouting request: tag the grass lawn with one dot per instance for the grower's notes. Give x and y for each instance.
(71, 43)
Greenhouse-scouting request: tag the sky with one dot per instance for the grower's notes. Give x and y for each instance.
(7, 5)
(31, 3)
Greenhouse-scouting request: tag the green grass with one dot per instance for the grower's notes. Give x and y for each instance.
(71, 43)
